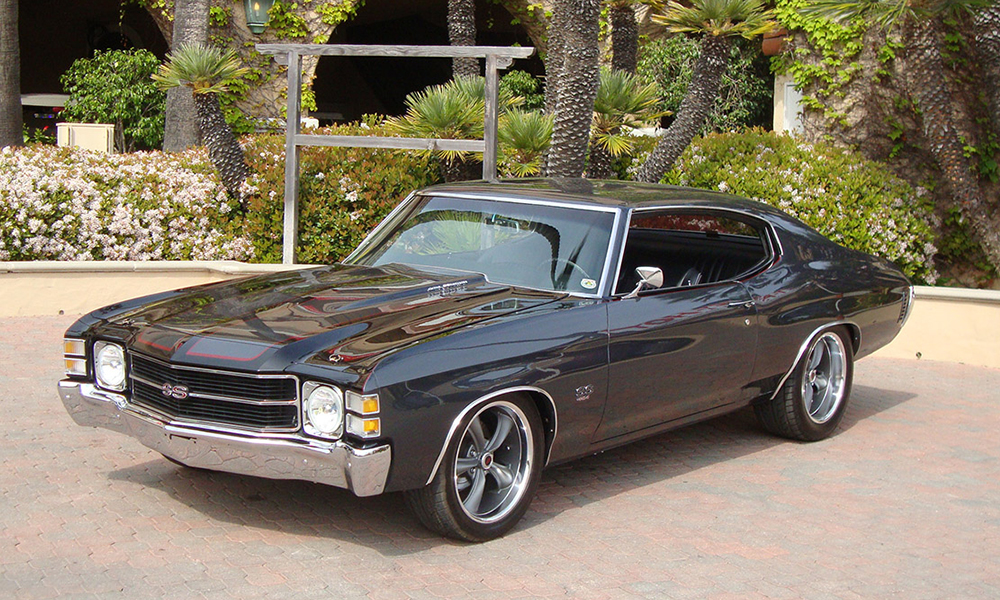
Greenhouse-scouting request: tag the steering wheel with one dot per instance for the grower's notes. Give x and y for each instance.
(562, 269)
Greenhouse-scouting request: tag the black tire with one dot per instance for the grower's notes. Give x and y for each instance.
(467, 499)
(812, 401)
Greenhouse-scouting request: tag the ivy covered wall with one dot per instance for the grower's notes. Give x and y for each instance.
(261, 92)
(853, 80)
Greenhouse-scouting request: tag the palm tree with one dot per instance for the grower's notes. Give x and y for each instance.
(206, 71)
(622, 103)
(624, 35)
(190, 27)
(718, 22)
(462, 32)
(987, 28)
(919, 23)
(10, 76)
(524, 137)
(453, 110)
(575, 24)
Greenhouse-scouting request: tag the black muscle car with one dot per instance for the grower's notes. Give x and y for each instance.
(486, 330)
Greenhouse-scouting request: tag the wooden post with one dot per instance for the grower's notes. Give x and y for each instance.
(497, 58)
(291, 213)
(491, 118)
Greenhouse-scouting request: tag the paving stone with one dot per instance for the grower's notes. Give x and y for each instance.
(904, 501)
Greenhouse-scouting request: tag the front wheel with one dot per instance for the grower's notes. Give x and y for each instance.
(813, 400)
(489, 473)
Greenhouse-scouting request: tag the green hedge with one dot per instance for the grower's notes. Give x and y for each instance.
(343, 192)
(853, 201)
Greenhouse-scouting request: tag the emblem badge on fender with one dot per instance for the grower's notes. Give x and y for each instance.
(178, 392)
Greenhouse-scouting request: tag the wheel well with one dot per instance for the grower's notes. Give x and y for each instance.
(547, 411)
(855, 333)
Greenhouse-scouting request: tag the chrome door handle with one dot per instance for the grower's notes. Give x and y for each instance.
(746, 304)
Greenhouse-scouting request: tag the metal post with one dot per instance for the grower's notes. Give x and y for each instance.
(291, 216)
(491, 124)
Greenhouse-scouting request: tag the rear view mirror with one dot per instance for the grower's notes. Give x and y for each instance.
(650, 278)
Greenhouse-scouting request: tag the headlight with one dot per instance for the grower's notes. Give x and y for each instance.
(324, 410)
(109, 366)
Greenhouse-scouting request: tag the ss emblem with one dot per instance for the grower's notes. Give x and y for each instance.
(178, 392)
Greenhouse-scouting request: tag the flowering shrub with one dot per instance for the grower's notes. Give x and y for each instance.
(71, 204)
(853, 201)
(343, 192)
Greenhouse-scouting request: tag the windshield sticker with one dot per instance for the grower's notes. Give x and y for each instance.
(588, 284)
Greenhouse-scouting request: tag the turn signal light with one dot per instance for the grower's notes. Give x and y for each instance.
(365, 428)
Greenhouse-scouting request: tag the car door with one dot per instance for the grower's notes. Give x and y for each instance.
(690, 346)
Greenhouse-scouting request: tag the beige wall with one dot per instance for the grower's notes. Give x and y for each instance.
(946, 324)
(54, 288)
(953, 325)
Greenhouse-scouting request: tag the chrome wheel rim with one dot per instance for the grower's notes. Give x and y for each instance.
(494, 462)
(825, 377)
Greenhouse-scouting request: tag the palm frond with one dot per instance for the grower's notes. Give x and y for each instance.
(524, 137)
(615, 143)
(623, 101)
(725, 18)
(204, 69)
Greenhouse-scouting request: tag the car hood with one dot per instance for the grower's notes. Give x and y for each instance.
(333, 315)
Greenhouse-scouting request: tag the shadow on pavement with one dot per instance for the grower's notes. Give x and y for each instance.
(384, 524)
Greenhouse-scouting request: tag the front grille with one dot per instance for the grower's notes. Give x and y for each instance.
(256, 402)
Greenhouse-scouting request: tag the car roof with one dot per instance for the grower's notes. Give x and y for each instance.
(627, 194)
(620, 194)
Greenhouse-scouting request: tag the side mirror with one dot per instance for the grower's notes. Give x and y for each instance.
(650, 278)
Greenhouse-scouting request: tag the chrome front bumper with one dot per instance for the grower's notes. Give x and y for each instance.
(284, 456)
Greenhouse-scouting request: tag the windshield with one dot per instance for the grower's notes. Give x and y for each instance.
(531, 245)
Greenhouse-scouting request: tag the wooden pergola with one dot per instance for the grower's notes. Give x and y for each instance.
(497, 58)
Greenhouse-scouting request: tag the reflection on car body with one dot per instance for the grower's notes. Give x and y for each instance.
(485, 330)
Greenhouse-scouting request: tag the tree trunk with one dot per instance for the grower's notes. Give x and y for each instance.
(694, 109)
(462, 32)
(530, 14)
(934, 99)
(599, 165)
(10, 76)
(577, 21)
(190, 27)
(624, 37)
(987, 26)
(223, 148)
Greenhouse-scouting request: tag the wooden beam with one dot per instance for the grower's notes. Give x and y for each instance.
(400, 143)
(497, 58)
(399, 51)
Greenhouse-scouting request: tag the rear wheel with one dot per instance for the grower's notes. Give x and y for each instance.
(489, 473)
(812, 401)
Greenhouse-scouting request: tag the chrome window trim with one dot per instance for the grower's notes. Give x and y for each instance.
(382, 224)
(805, 346)
(770, 239)
(513, 200)
(455, 424)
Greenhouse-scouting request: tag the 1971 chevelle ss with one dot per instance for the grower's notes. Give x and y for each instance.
(486, 330)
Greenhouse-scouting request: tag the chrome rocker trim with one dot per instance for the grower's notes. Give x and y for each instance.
(288, 456)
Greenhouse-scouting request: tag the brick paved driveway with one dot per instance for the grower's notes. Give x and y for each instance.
(904, 502)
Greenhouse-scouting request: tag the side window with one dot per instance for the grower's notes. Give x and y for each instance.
(691, 248)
